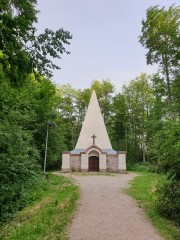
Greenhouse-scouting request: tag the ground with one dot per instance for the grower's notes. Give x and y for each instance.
(105, 212)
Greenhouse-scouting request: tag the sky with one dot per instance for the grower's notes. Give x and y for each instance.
(105, 41)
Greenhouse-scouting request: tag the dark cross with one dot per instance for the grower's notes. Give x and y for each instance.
(93, 136)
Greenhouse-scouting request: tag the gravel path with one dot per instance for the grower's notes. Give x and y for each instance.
(106, 213)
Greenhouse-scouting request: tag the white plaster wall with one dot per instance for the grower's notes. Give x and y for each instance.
(102, 162)
(121, 161)
(93, 124)
(65, 161)
(93, 153)
(84, 161)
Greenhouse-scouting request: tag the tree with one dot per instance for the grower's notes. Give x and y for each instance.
(139, 99)
(161, 36)
(28, 101)
(176, 94)
(67, 113)
(118, 122)
(159, 109)
(24, 51)
(81, 104)
(18, 153)
(165, 148)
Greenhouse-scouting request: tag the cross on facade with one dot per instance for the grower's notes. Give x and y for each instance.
(93, 136)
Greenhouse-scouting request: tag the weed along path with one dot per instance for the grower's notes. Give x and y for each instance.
(106, 213)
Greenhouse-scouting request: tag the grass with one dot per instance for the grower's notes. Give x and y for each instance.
(48, 217)
(143, 189)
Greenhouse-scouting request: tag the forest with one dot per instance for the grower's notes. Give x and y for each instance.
(143, 119)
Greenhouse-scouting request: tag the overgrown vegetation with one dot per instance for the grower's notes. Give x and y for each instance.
(168, 203)
(144, 188)
(48, 215)
(142, 119)
(27, 103)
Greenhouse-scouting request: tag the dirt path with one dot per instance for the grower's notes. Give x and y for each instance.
(106, 213)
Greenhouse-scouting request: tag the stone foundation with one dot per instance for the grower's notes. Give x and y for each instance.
(75, 163)
(84, 170)
(65, 170)
(102, 170)
(122, 171)
(112, 163)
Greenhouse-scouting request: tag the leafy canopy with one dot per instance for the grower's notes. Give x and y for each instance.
(24, 51)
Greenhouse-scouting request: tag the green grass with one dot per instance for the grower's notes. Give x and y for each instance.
(48, 217)
(143, 189)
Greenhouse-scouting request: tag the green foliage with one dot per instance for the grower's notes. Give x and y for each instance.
(165, 148)
(138, 120)
(138, 101)
(24, 114)
(69, 114)
(49, 213)
(142, 167)
(176, 94)
(24, 51)
(168, 202)
(46, 46)
(118, 122)
(144, 188)
(160, 35)
(18, 155)
(20, 187)
(27, 102)
(56, 145)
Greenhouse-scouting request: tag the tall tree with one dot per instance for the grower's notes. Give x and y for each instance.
(161, 36)
(28, 101)
(67, 113)
(24, 51)
(118, 123)
(139, 98)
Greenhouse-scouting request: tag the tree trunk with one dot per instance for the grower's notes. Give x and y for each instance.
(143, 134)
(166, 69)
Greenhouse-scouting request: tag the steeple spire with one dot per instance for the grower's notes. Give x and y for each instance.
(93, 126)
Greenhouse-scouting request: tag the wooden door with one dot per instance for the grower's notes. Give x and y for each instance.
(94, 164)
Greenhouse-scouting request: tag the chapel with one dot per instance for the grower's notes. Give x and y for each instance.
(93, 151)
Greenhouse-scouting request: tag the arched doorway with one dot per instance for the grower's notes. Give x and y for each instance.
(93, 161)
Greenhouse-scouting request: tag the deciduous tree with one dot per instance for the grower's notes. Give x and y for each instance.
(161, 36)
(24, 51)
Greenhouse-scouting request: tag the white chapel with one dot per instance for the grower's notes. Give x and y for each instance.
(93, 151)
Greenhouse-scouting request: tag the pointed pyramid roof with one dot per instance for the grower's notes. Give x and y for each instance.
(93, 125)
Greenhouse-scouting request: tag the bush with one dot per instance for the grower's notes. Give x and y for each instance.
(165, 149)
(142, 167)
(168, 202)
(15, 196)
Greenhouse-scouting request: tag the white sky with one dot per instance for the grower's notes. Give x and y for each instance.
(105, 39)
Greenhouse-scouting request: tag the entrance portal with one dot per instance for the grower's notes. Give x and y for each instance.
(93, 164)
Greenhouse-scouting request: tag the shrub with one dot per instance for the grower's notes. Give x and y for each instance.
(165, 149)
(142, 167)
(16, 196)
(168, 201)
